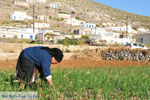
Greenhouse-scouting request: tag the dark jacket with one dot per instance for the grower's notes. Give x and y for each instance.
(40, 58)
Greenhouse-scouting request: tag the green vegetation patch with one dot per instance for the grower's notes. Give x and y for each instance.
(68, 42)
(89, 83)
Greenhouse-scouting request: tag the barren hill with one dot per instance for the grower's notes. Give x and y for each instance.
(86, 10)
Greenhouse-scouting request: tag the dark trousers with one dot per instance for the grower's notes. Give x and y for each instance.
(24, 69)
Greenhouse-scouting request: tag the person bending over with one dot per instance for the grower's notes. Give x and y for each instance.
(37, 59)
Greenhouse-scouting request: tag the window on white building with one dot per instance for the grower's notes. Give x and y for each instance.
(21, 36)
(31, 37)
(4, 36)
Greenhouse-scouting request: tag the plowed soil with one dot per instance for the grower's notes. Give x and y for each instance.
(70, 63)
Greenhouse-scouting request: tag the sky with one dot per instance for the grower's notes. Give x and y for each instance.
(140, 7)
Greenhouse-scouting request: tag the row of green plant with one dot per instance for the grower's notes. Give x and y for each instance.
(120, 83)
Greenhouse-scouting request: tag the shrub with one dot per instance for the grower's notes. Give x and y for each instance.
(85, 37)
(68, 42)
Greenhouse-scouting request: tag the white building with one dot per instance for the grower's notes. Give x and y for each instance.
(121, 40)
(102, 34)
(108, 24)
(52, 5)
(83, 31)
(142, 29)
(33, 1)
(123, 29)
(40, 25)
(100, 31)
(30, 1)
(109, 38)
(20, 33)
(19, 16)
(73, 21)
(64, 16)
(41, 1)
(21, 3)
(88, 25)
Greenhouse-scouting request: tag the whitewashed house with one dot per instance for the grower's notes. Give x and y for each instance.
(41, 1)
(20, 33)
(100, 31)
(111, 37)
(121, 40)
(114, 38)
(83, 31)
(21, 3)
(96, 38)
(73, 21)
(101, 34)
(108, 24)
(64, 16)
(30, 1)
(30, 36)
(7, 34)
(19, 16)
(40, 25)
(52, 5)
(88, 25)
(33, 1)
(123, 29)
(142, 29)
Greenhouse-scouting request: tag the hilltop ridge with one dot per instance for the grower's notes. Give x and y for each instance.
(86, 10)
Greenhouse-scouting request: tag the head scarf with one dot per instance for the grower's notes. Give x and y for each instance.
(55, 52)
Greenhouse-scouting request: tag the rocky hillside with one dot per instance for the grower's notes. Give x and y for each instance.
(86, 10)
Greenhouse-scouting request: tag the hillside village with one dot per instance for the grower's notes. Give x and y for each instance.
(51, 20)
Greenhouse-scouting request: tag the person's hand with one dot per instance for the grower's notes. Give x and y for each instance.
(54, 89)
(51, 83)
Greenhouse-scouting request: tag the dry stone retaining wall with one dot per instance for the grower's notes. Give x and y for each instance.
(125, 54)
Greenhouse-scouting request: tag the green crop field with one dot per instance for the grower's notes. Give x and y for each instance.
(119, 83)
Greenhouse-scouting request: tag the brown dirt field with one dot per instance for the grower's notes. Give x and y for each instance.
(100, 63)
(70, 63)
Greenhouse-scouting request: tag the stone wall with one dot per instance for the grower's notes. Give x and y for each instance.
(12, 51)
(125, 54)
